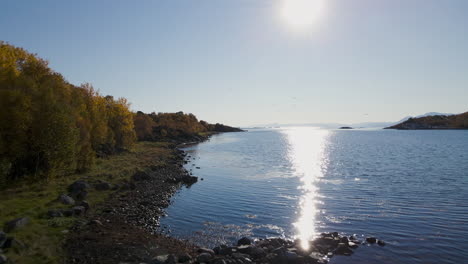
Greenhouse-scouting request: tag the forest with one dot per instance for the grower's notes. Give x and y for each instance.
(50, 127)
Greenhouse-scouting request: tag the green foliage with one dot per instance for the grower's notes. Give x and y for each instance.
(49, 125)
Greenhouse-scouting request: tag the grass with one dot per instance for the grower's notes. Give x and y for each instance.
(43, 237)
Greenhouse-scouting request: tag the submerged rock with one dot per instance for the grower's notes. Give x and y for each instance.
(371, 240)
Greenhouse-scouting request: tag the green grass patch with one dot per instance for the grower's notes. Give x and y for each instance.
(44, 237)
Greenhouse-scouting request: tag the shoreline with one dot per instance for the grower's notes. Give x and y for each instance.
(125, 229)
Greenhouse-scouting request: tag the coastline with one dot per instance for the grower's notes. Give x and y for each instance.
(125, 229)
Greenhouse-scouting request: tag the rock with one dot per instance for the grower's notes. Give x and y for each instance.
(239, 255)
(80, 195)
(51, 213)
(245, 249)
(244, 241)
(371, 240)
(78, 210)
(335, 234)
(12, 242)
(219, 261)
(343, 249)
(381, 243)
(206, 250)
(65, 199)
(225, 251)
(141, 176)
(184, 257)
(3, 259)
(103, 186)
(352, 245)
(15, 224)
(78, 186)
(204, 257)
(159, 259)
(171, 259)
(85, 204)
(187, 179)
(257, 252)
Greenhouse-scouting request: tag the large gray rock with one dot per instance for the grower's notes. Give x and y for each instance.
(65, 199)
(15, 224)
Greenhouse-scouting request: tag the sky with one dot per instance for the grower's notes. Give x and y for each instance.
(247, 62)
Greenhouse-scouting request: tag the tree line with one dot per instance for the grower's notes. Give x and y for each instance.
(49, 127)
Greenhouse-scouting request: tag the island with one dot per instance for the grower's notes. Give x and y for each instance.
(459, 121)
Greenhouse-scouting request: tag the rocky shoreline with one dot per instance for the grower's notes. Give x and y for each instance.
(125, 229)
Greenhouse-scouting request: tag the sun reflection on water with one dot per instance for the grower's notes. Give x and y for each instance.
(306, 153)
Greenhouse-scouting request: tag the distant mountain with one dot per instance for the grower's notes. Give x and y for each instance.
(424, 115)
(434, 121)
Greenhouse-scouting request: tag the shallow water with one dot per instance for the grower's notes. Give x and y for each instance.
(409, 188)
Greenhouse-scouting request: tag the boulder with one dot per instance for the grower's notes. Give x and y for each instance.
(187, 179)
(65, 199)
(78, 210)
(204, 257)
(80, 195)
(371, 240)
(15, 224)
(219, 261)
(381, 243)
(343, 249)
(171, 259)
(206, 250)
(184, 257)
(85, 204)
(244, 241)
(78, 186)
(12, 242)
(51, 213)
(159, 259)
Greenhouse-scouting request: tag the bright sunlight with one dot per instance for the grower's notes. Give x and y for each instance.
(301, 14)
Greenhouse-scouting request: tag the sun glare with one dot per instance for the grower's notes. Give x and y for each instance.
(307, 155)
(301, 14)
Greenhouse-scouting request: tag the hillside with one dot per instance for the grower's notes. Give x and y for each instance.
(459, 121)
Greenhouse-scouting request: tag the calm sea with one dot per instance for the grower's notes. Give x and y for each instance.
(409, 188)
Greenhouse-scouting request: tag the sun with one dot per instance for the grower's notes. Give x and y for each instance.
(301, 14)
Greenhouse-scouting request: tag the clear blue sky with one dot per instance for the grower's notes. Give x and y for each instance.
(239, 62)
